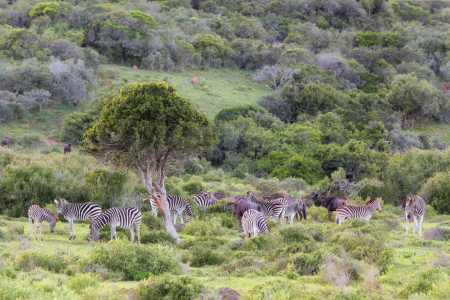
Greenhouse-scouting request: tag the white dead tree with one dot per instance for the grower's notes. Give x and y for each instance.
(276, 75)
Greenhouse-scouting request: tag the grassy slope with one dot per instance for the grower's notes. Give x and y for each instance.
(410, 256)
(227, 87)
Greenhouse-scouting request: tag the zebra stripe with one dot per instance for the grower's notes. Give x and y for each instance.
(291, 211)
(177, 204)
(417, 208)
(205, 199)
(77, 212)
(121, 217)
(253, 222)
(269, 208)
(352, 212)
(39, 215)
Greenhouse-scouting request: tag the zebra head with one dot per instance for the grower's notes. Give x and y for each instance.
(60, 206)
(93, 234)
(410, 201)
(52, 224)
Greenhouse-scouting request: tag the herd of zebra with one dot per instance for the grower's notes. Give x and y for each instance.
(251, 211)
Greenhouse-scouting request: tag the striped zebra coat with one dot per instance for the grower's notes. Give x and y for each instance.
(206, 199)
(253, 222)
(121, 217)
(177, 204)
(273, 208)
(352, 212)
(77, 212)
(39, 215)
(415, 207)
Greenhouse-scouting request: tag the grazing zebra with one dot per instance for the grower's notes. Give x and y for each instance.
(121, 217)
(177, 204)
(206, 199)
(291, 211)
(77, 212)
(269, 208)
(253, 222)
(352, 212)
(39, 214)
(415, 207)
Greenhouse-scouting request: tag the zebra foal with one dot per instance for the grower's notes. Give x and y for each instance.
(253, 222)
(121, 217)
(77, 212)
(177, 204)
(352, 212)
(39, 215)
(417, 208)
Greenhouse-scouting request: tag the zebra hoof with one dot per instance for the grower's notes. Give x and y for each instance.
(70, 238)
(74, 237)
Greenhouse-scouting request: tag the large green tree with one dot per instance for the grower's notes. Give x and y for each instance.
(149, 128)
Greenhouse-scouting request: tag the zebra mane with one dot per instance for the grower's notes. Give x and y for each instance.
(372, 201)
(60, 199)
(57, 219)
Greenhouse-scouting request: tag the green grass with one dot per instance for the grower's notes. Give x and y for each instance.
(227, 87)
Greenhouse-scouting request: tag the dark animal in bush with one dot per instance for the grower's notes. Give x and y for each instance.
(254, 223)
(220, 196)
(352, 212)
(177, 204)
(68, 148)
(122, 217)
(6, 142)
(77, 212)
(240, 207)
(415, 208)
(346, 200)
(331, 204)
(39, 214)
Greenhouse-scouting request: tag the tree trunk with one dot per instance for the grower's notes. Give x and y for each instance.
(163, 206)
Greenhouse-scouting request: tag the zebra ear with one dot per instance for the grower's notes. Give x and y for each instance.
(56, 201)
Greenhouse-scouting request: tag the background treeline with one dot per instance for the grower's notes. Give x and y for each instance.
(348, 80)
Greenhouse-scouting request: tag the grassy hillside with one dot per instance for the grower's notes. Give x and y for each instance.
(227, 87)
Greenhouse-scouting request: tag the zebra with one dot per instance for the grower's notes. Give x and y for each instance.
(205, 199)
(77, 212)
(177, 204)
(352, 212)
(273, 208)
(415, 207)
(291, 211)
(121, 217)
(39, 214)
(253, 222)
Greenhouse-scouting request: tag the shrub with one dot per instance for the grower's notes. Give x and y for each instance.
(307, 263)
(234, 112)
(193, 187)
(436, 191)
(421, 283)
(152, 223)
(209, 227)
(365, 246)
(294, 235)
(56, 262)
(200, 255)
(82, 281)
(155, 237)
(340, 271)
(135, 260)
(168, 287)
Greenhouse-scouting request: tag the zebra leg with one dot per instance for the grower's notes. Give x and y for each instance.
(291, 221)
(246, 234)
(132, 233)
(407, 225)
(420, 225)
(180, 214)
(40, 230)
(175, 214)
(138, 232)
(31, 228)
(72, 233)
(414, 225)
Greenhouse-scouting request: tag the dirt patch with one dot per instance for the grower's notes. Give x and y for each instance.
(50, 139)
(228, 294)
(434, 234)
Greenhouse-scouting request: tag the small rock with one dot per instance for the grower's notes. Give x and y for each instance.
(433, 233)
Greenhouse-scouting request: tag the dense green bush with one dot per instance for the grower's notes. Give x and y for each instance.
(436, 190)
(56, 261)
(193, 187)
(210, 227)
(135, 261)
(234, 112)
(168, 287)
